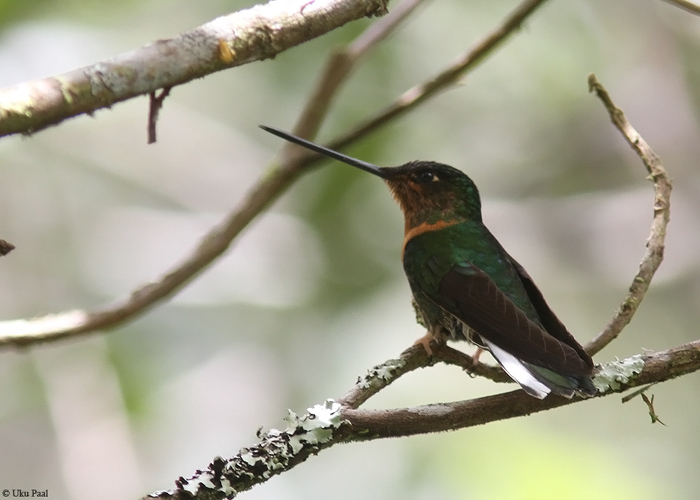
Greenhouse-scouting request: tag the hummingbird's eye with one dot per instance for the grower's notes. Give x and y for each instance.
(427, 177)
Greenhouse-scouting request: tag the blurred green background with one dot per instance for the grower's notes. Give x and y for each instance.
(313, 292)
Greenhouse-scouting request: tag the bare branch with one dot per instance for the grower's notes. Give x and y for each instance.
(654, 252)
(258, 33)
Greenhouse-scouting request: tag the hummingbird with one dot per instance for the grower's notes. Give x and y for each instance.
(466, 286)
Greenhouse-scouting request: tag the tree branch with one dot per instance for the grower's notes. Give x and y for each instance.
(332, 422)
(617, 377)
(654, 252)
(23, 332)
(411, 359)
(258, 33)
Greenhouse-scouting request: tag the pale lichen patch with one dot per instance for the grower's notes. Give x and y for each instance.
(193, 484)
(434, 410)
(110, 78)
(320, 421)
(384, 372)
(272, 454)
(227, 489)
(612, 375)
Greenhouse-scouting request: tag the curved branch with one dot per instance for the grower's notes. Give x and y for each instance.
(258, 33)
(24, 332)
(654, 253)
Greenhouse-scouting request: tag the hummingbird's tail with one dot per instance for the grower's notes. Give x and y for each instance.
(538, 381)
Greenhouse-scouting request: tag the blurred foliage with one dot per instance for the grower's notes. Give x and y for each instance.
(12, 11)
(313, 294)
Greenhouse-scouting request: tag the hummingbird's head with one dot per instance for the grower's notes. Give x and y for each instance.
(427, 192)
(430, 192)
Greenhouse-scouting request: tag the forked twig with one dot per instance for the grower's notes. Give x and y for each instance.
(155, 102)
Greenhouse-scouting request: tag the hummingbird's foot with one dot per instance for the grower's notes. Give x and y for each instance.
(475, 361)
(425, 342)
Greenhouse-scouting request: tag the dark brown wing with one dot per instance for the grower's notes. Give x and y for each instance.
(549, 320)
(470, 294)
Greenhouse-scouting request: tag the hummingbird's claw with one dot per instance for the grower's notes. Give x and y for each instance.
(425, 342)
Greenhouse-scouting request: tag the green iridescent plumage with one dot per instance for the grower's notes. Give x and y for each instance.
(467, 287)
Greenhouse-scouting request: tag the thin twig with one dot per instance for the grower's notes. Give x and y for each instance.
(443, 80)
(155, 102)
(339, 65)
(629, 397)
(654, 252)
(23, 332)
(649, 401)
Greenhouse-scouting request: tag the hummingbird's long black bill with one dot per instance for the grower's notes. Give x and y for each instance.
(362, 165)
